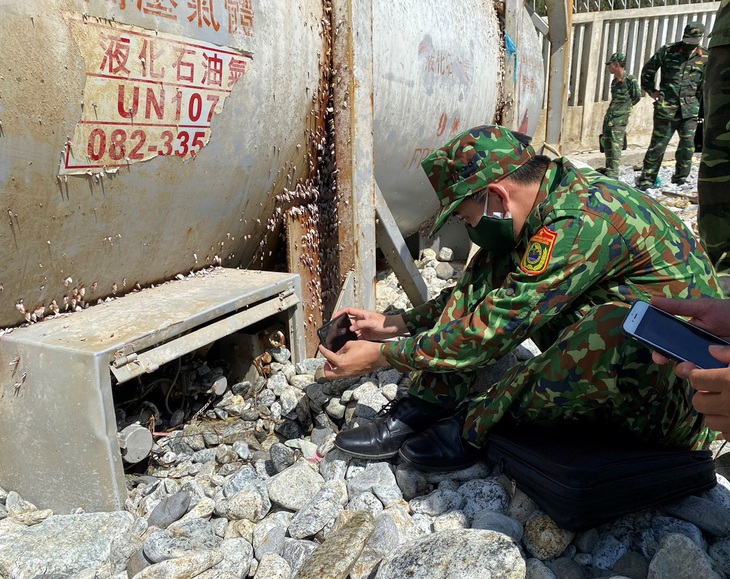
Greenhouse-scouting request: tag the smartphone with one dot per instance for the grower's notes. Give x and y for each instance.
(672, 336)
(335, 333)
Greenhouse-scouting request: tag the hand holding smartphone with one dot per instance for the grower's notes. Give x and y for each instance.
(336, 333)
(672, 336)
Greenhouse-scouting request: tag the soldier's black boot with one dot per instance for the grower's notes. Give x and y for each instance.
(396, 423)
(441, 447)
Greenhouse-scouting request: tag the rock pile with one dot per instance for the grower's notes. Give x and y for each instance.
(255, 488)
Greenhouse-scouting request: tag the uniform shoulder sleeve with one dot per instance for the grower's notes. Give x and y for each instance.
(563, 260)
(648, 72)
(634, 90)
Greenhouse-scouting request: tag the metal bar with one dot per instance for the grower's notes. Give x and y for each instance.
(151, 360)
(559, 18)
(394, 248)
(352, 51)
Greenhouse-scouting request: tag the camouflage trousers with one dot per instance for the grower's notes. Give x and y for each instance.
(713, 217)
(663, 131)
(590, 371)
(613, 141)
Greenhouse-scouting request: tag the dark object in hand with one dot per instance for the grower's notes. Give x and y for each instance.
(335, 333)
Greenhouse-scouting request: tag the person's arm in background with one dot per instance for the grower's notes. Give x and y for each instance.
(648, 74)
(634, 91)
(713, 386)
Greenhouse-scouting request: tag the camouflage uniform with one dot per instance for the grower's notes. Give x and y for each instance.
(713, 217)
(625, 93)
(678, 106)
(593, 246)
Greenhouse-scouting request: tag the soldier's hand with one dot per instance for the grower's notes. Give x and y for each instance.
(355, 358)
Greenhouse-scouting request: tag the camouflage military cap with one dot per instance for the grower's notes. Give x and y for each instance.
(471, 161)
(693, 32)
(617, 57)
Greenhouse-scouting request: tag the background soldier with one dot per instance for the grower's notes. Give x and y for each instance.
(713, 217)
(676, 103)
(625, 93)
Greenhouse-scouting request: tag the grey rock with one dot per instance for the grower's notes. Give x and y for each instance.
(445, 254)
(454, 555)
(565, 568)
(272, 566)
(180, 539)
(123, 546)
(608, 551)
(583, 559)
(444, 271)
(335, 408)
(632, 565)
(242, 450)
(224, 454)
(392, 527)
(190, 565)
(437, 503)
(276, 384)
(388, 376)
(366, 502)
(219, 526)
(335, 557)
(491, 521)
(23, 511)
(237, 557)
(521, 507)
(412, 483)
(302, 381)
(323, 508)
(64, 543)
(137, 562)
(295, 486)
(281, 355)
(334, 465)
(705, 514)
(203, 509)
(377, 478)
(317, 396)
(248, 478)
(536, 569)
(271, 542)
(720, 493)
(680, 556)
(204, 455)
(633, 530)
(478, 470)
(169, 510)
(451, 520)
(482, 494)
(586, 541)
(663, 526)
(370, 404)
(720, 554)
(282, 456)
(245, 504)
(290, 398)
(309, 365)
(296, 552)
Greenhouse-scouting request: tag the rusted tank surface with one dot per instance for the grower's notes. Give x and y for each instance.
(437, 72)
(144, 138)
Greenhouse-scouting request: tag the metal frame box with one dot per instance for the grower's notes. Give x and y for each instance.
(57, 416)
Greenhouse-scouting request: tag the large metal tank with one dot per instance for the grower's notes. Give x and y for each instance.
(437, 72)
(143, 138)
